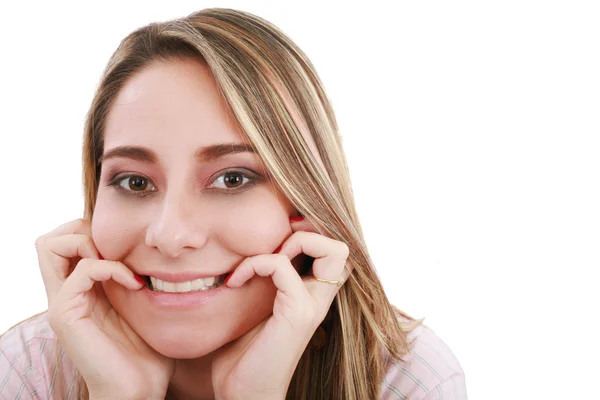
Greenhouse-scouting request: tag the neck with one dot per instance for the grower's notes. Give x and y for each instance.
(192, 380)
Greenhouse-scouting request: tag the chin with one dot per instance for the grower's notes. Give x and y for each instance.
(190, 349)
(196, 332)
(184, 342)
(195, 341)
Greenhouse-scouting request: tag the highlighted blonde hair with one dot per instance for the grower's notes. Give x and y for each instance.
(278, 101)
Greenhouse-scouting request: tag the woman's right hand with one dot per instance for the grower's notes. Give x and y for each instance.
(113, 359)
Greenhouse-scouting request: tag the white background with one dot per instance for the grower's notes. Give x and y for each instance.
(472, 131)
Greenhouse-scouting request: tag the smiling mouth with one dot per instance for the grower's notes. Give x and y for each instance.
(196, 285)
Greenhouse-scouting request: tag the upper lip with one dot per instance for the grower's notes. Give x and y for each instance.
(176, 277)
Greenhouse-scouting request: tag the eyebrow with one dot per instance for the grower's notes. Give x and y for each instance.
(205, 154)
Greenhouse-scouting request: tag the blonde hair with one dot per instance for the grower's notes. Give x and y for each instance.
(277, 98)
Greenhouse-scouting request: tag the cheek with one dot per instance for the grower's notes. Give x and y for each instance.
(254, 227)
(113, 229)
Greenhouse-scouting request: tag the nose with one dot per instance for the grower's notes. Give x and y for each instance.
(175, 227)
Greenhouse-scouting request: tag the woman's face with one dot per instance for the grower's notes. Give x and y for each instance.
(174, 208)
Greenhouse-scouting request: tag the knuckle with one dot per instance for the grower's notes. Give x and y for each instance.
(81, 222)
(84, 263)
(39, 242)
(87, 242)
(307, 234)
(299, 235)
(344, 249)
(282, 258)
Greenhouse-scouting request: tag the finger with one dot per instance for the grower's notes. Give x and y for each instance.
(330, 263)
(278, 267)
(326, 252)
(55, 254)
(89, 271)
(79, 226)
(302, 224)
(325, 292)
(72, 245)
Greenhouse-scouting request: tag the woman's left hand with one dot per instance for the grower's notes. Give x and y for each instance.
(260, 364)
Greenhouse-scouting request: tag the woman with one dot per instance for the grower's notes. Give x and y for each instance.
(220, 255)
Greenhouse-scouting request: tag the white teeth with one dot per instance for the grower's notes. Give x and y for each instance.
(197, 284)
(156, 284)
(168, 287)
(183, 287)
(209, 281)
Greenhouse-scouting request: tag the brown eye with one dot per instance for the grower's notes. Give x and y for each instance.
(232, 179)
(137, 182)
(133, 183)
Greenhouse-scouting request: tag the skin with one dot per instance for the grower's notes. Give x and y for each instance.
(185, 221)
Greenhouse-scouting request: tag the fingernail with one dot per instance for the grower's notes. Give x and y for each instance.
(297, 218)
(277, 250)
(228, 276)
(139, 279)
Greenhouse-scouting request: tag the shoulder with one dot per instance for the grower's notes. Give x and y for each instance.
(430, 371)
(28, 354)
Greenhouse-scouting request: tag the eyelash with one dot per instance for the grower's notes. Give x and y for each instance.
(252, 179)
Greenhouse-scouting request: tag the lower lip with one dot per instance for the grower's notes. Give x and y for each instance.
(184, 300)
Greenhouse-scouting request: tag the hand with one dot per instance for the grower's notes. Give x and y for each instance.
(260, 364)
(114, 361)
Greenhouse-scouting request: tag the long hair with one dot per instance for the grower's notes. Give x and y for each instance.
(278, 101)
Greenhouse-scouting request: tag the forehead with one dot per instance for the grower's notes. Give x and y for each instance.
(174, 102)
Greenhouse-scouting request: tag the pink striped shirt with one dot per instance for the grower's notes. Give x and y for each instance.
(28, 370)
